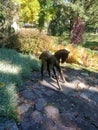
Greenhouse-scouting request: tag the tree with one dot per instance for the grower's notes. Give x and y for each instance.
(51, 15)
(86, 9)
(77, 31)
(29, 10)
(46, 13)
(6, 18)
(67, 11)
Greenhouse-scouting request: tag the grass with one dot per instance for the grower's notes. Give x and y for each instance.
(91, 41)
(14, 68)
(77, 66)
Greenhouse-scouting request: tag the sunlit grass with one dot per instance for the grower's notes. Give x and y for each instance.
(5, 67)
(8, 100)
(14, 68)
(91, 41)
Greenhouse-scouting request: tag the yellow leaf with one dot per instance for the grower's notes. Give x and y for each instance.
(2, 84)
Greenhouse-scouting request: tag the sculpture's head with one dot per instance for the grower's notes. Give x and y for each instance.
(62, 55)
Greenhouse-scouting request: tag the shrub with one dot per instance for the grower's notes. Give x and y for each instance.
(30, 41)
(83, 56)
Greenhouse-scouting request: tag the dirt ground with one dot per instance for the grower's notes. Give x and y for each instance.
(43, 107)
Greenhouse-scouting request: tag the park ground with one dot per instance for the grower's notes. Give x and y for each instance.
(41, 106)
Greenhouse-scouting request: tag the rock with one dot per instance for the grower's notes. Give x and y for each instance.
(62, 127)
(23, 108)
(86, 96)
(40, 104)
(85, 74)
(38, 93)
(50, 93)
(28, 94)
(8, 125)
(82, 86)
(51, 125)
(37, 116)
(96, 82)
(93, 89)
(52, 112)
(30, 124)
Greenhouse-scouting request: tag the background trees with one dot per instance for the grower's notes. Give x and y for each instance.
(63, 14)
(59, 15)
(55, 16)
(28, 10)
(68, 11)
(7, 11)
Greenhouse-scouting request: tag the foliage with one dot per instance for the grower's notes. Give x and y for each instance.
(86, 9)
(46, 12)
(8, 100)
(14, 68)
(77, 31)
(51, 16)
(91, 41)
(66, 12)
(31, 41)
(58, 16)
(83, 56)
(29, 10)
(7, 11)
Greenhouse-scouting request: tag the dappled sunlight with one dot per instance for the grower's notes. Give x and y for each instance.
(77, 103)
(13, 68)
(5, 67)
(79, 83)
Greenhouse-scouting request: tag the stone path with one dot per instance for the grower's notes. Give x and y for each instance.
(42, 107)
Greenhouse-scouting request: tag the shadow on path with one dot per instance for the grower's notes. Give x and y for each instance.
(75, 108)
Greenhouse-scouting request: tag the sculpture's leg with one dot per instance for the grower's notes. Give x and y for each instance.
(61, 72)
(42, 70)
(48, 68)
(57, 79)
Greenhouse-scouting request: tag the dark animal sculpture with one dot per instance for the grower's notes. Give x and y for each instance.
(53, 62)
(62, 55)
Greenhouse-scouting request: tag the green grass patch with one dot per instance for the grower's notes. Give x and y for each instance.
(91, 41)
(8, 100)
(91, 44)
(77, 66)
(14, 68)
